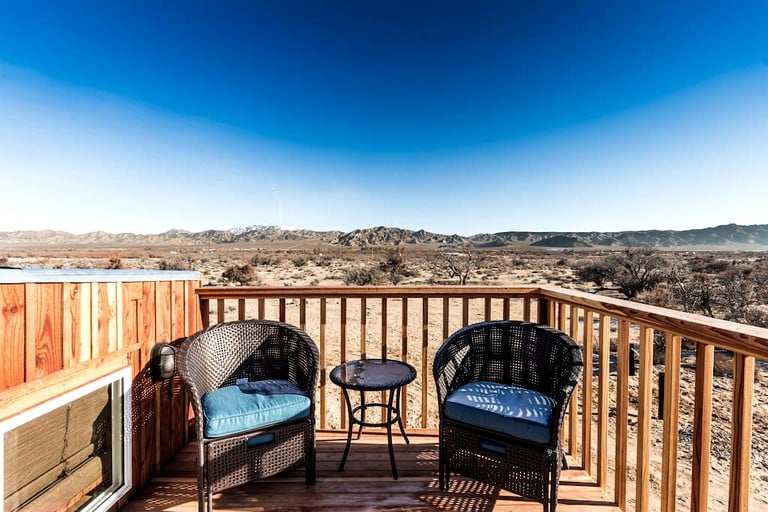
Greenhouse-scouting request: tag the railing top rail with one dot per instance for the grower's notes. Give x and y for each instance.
(225, 292)
(741, 338)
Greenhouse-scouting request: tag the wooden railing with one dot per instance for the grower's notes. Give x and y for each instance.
(409, 323)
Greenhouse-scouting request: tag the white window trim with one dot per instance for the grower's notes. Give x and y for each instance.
(121, 459)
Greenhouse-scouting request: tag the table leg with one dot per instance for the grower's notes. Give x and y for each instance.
(362, 413)
(400, 418)
(389, 434)
(350, 423)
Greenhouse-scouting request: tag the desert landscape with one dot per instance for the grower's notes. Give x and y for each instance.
(316, 263)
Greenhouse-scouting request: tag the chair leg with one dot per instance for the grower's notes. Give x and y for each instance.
(201, 484)
(443, 474)
(554, 480)
(311, 470)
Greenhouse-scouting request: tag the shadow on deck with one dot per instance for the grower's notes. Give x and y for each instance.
(366, 484)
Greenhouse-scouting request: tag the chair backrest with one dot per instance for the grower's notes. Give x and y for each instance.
(252, 349)
(518, 353)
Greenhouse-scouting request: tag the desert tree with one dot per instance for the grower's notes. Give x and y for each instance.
(458, 265)
(740, 293)
(631, 272)
(637, 270)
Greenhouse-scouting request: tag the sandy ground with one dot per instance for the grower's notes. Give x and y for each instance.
(327, 267)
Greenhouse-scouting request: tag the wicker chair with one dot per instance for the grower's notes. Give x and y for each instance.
(503, 388)
(252, 385)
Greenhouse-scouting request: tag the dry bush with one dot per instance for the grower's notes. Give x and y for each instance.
(266, 260)
(241, 274)
(174, 265)
(360, 277)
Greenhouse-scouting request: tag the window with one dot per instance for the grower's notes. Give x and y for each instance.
(71, 453)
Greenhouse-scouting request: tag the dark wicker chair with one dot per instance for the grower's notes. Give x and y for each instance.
(484, 433)
(236, 361)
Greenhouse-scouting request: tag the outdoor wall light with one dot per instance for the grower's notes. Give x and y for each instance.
(163, 361)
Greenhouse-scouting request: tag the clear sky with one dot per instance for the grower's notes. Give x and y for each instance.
(454, 117)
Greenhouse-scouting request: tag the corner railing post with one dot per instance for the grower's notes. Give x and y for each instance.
(542, 317)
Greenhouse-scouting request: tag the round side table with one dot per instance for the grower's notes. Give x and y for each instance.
(373, 375)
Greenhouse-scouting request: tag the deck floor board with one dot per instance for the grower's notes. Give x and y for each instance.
(366, 484)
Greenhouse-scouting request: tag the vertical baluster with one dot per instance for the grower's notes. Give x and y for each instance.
(573, 413)
(741, 433)
(604, 362)
(384, 351)
(586, 399)
(323, 365)
(220, 311)
(363, 327)
(205, 312)
(671, 414)
(303, 314)
(645, 413)
(702, 427)
(343, 354)
(622, 413)
(241, 309)
(424, 361)
(446, 314)
(404, 356)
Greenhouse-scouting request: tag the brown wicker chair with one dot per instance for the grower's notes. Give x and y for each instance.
(503, 388)
(237, 364)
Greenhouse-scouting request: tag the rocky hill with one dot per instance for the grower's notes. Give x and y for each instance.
(731, 236)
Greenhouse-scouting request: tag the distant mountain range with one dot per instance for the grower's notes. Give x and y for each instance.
(730, 236)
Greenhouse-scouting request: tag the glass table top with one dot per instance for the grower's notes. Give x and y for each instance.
(373, 374)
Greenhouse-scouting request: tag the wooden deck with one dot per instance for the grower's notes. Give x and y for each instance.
(366, 484)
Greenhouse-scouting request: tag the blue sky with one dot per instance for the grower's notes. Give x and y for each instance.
(454, 117)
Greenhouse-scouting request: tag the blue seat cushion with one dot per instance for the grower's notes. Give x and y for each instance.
(252, 405)
(511, 410)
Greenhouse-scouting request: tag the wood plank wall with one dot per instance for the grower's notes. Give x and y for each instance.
(56, 337)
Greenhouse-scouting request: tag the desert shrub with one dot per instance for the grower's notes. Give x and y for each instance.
(299, 261)
(598, 272)
(115, 263)
(243, 275)
(723, 364)
(708, 265)
(359, 277)
(3, 261)
(394, 267)
(174, 265)
(264, 260)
